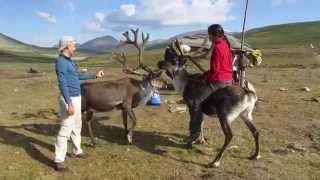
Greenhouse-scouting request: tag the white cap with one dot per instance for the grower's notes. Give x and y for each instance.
(64, 41)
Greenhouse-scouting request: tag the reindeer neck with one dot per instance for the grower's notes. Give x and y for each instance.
(180, 79)
(146, 90)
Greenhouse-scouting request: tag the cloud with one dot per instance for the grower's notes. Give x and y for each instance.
(280, 2)
(96, 24)
(93, 26)
(99, 17)
(128, 9)
(167, 13)
(66, 4)
(46, 16)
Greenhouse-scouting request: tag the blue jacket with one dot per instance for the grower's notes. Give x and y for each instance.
(69, 77)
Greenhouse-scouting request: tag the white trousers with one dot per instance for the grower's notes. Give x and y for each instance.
(70, 128)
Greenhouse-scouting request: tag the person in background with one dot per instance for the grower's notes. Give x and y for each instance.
(69, 77)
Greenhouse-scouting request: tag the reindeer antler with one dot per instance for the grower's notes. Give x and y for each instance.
(121, 57)
(177, 44)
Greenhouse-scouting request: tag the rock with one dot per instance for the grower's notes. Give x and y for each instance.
(169, 101)
(179, 109)
(10, 168)
(283, 89)
(30, 127)
(296, 147)
(15, 90)
(306, 89)
(234, 147)
(312, 99)
(316, 99)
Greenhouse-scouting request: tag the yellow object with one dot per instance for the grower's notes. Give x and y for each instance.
(255, 56)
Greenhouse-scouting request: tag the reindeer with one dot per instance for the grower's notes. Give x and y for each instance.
(227, 103)
(124, 94)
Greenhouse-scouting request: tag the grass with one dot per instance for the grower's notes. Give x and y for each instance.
(285, 35)
(29, 123)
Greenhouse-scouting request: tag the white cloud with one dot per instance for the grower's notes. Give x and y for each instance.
(46, 16)
(93, 26)
(187, 12)
(128, 9)
(66, 4)
(99, 16)
(280, 2)
(166, 13)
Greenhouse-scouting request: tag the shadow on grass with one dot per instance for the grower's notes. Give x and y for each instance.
(144, 140)
(148, 141)
(17, 58)
(10, 137)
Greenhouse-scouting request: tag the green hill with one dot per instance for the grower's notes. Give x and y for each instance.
(12, 46)
(285, 35)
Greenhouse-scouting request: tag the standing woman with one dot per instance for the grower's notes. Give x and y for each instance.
(218, 76)
(70, 102)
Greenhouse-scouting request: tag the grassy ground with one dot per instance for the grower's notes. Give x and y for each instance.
(29, 123)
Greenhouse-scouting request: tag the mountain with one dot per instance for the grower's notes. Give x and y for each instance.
(100, 44)
(195, 39)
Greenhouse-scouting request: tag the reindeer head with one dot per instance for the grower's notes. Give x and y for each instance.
(175, 58)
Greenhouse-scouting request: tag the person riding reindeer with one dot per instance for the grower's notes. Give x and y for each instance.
(219, 75)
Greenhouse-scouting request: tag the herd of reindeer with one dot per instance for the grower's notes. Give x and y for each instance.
(128, 93)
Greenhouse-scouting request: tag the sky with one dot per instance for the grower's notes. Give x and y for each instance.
(44, 22)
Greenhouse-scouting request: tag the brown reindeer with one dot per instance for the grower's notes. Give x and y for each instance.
(124, 94)
(227, 103)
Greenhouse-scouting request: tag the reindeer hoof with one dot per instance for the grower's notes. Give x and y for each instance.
(200, 141)
(189, 145)
(129, 138)
(255, 157)
(213, 164)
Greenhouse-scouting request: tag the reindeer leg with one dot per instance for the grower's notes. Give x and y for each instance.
(89, 115)
(125, 121)
(132, 125)
(195, 125)
(228, 137)
(201, 139)
(247, 118)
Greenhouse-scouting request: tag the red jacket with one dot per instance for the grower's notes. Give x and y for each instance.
(221, 62)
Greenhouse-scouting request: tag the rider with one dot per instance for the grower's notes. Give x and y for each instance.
(218, 76)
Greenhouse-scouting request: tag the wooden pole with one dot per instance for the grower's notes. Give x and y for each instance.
(197, 64)
(241, 69)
